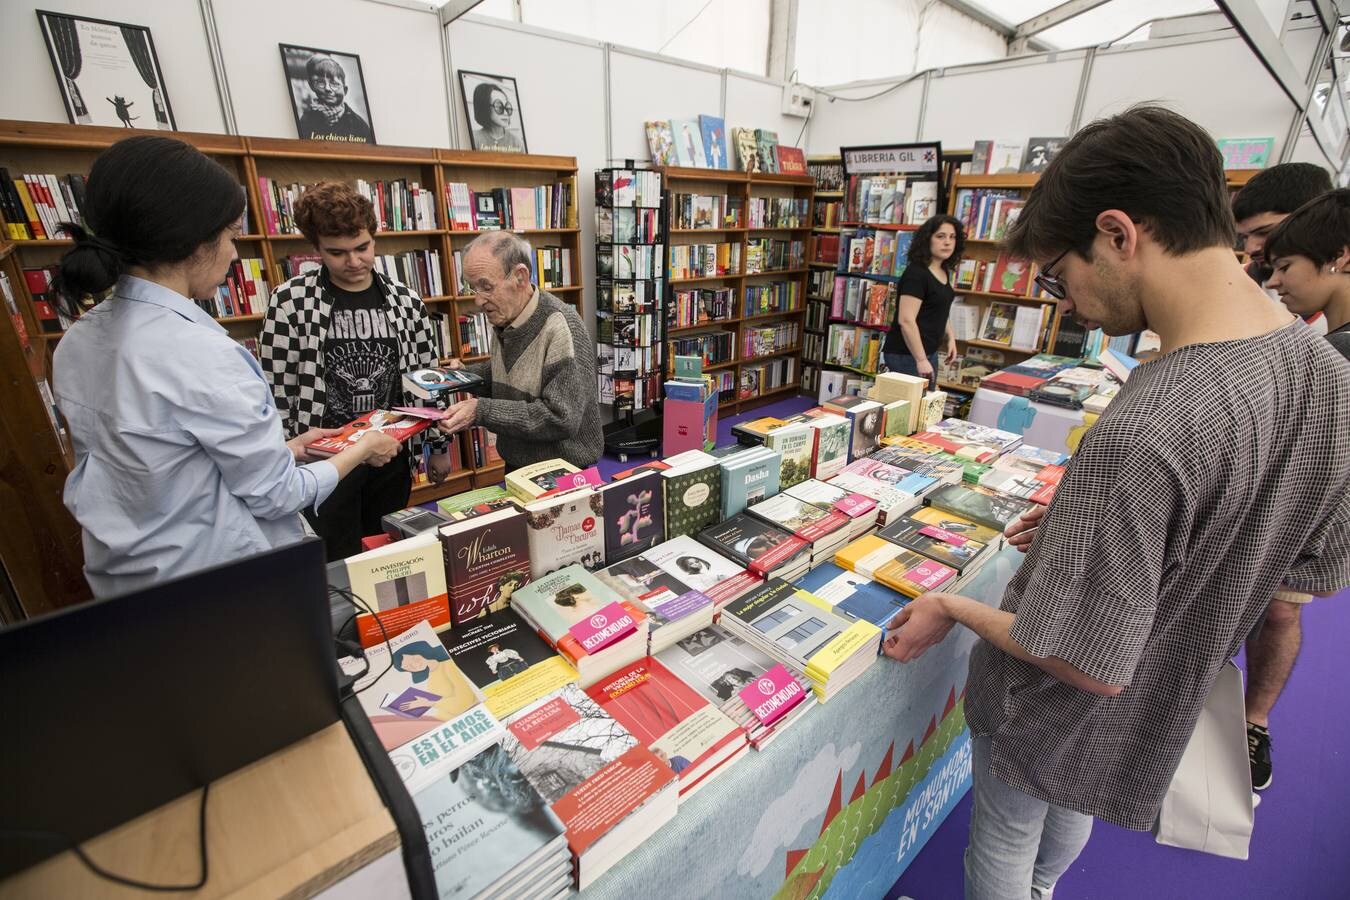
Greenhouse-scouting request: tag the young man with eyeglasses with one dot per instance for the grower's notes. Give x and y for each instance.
(539, 394)
(1220, 472)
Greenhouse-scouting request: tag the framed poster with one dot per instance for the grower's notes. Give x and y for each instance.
(492, 106)
(107, 72)
(328, 95)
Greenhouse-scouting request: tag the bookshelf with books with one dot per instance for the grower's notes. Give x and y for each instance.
(828, 174)
(419, 243)
(738, 250)
(630, 269)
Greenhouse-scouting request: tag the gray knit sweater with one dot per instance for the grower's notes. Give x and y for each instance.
(540, 395)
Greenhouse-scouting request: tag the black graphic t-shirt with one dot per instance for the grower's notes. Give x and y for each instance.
(361, 356)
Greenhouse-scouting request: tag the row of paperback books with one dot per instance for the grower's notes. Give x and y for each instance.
(779, 212)
(765, 377)
(511, 208)
(704, 260)
(987, 213)
(772, 297)
(829, 214)
(702, 144)
(418, 269)
(765, 339)
(889, 200)
(610, 648)
(628, 226)
(244, 291)
(713, 346)
(475, 334)
(854, 346)
(626, 188)
(864, 301)
(873, 252)
(700, 306)
(35, 205)
(400, 205)
(632, 262)
(773, 255)
(713, 212)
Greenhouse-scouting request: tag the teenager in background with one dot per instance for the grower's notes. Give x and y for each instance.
(1310, 255)
(335, 344)
(921, 329)
(180, 458)
(1266, 200)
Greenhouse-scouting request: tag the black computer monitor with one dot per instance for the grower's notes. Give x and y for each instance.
(116, 707)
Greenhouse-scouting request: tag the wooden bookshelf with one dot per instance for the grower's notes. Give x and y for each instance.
(743, 187)
(39, 147)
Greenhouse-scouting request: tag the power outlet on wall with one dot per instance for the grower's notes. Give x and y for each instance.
(797, 100)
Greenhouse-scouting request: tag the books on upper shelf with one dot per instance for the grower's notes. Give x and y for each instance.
(585, 620)
(409, 686)
(506, 660)
(479, 842)
(35, 206)
(766, 143)
(486, 559)
(1005, 156)
(1040, 150)
(791, 160)
(661, 143)
(547, 206)
(404, 583)
(610, 791)
(691, 735)
(716, 150)
(801, 631)
(762, 547)
(689, 151)
(398, 425)
(700, 568)
(982, 505)
(725, 669)
(563, 529)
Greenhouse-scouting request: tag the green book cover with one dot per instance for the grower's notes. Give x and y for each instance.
(796, 444)
(693, 500)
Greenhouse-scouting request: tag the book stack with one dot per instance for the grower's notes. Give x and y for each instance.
(609, 790)
(830, 441)
(1017, 481)
(693, 492)
(748, 476)
(486, 552)
(862, 511)
(854, 596)
(565, 528)
(585, 620)
(726, 670)
(981, 505)
(543, 479)
(761, 547)
(939, 544)
(966, 440)
(1025, 377)
(677, 724)
(801, 631)
(865, 418)
(894, 386)
(506, 661)
(1069, 388)
(701, 569)
(674, 610)
(634, 512)
(902, 570)
(823, 530)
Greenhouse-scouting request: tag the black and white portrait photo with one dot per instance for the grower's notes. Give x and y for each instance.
(107, 71)
(492, 106)
(328, 95)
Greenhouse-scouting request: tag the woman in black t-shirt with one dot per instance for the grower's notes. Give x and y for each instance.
(920, 329)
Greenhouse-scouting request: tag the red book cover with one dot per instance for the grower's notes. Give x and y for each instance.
(670, 718)
(791, 160)
(1012, 383)
(1011, 276)
(399, 427)
(486, 560)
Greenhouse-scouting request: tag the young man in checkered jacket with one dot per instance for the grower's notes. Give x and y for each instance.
(1219, 475)
(335, 344)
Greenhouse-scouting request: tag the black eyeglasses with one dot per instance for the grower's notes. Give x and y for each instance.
(1050, 283)
(502, 109)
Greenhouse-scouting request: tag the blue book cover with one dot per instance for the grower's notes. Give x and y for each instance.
(685, 390)
(915, 483)
(854, 596)
(714, 132)
(689, 143)
(749, 476)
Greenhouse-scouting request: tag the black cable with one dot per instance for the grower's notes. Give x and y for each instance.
(98, 870)
(361, 605)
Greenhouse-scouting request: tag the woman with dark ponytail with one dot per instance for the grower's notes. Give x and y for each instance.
(180, 462)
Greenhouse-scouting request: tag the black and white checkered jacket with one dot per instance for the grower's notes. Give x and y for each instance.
(291, 344)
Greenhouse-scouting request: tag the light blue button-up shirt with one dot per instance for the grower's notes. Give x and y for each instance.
(181, 463)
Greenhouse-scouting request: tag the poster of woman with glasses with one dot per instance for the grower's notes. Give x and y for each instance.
(492, 106)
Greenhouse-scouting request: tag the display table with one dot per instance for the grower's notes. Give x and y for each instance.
(1041, 425)
(840, 803)
(290, 825)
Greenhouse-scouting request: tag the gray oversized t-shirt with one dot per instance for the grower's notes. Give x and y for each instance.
(1218, 472)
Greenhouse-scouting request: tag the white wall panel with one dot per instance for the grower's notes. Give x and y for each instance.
(893, 117)
(1012, 100)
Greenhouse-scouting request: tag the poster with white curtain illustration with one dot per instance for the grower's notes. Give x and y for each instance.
(108, 72)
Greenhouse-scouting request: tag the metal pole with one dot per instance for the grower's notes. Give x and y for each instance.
(218, 65)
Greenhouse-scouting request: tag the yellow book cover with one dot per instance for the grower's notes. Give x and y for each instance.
(30, 210)
(860, 552)
(857, 636)
(931, 515)
(530, 482)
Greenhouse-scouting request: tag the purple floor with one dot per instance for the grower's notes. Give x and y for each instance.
(1301, 846)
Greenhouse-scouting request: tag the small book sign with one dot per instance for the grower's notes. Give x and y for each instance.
(942, 534)
(612, 623)
(772, 695)
(855, 505)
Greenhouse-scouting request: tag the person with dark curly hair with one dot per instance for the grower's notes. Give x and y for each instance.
(335, 343)
(921, 329)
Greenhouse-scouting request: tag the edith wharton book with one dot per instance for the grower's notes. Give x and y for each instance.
(487, 558)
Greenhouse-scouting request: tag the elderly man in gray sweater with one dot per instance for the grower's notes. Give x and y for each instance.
(539, 392)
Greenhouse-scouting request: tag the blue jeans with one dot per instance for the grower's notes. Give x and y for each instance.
(1019, 846)
(906, 365)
